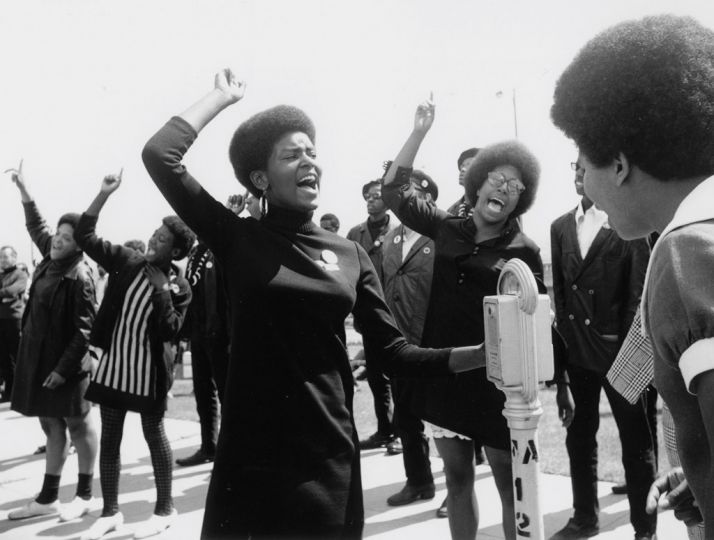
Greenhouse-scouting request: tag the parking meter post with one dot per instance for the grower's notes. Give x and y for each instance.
(519, 357)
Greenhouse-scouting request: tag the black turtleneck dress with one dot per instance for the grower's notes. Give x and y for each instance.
(287, 463)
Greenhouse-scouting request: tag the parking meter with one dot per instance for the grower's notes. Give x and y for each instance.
(519, 357)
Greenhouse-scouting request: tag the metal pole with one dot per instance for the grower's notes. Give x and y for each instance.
(515, 112)
(517, 341)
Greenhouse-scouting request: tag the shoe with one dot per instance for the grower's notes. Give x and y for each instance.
(76, 508)
(395, 447)
(376, 440)
(647, 536)
(409, 494)
(104, 525)
(33, 508)
(155, 525)
(576, 531)
(442, 511)
(199, 457)
(620, 489)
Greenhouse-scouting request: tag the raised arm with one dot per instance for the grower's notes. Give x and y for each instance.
(36, 225)
(110, 256)
(423, 120)
(163, 155)
(398, 194)
(227, 90)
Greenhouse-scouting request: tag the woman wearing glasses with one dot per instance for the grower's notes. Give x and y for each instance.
(465, 410)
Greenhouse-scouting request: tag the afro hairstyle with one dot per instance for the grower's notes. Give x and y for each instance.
(183, 236)
(253, 141)
(466, 154)
(644, 88)
(70, 218)
(513, 153)
(332, 218)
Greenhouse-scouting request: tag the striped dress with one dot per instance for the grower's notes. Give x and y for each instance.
(127, 364)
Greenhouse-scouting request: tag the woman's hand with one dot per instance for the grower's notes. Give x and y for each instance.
(111, 182)
(232, 87)
(54, 380)
(19, 180)
(424, 116)
(236, 203)
(16, 176)
(156, 277)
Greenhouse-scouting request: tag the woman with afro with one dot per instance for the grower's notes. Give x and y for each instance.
(287, 461)
(465, 410)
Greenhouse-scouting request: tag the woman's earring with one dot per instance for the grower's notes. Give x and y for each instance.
(263, 204)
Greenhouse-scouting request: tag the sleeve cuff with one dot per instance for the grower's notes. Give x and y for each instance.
(697, 359)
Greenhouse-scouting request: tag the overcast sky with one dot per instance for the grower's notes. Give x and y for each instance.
(86, 83)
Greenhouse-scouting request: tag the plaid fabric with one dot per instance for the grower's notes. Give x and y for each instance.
(633, 368)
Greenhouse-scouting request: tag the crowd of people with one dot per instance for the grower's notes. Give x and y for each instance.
(264, 298)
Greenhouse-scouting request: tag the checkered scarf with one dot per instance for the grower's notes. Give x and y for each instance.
(633, 369)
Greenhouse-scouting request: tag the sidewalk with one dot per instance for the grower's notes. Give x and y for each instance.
(21, 474)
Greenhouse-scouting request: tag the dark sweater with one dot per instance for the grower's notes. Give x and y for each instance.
(287, 463)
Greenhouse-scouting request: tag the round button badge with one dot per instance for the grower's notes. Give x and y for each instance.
(329, 256)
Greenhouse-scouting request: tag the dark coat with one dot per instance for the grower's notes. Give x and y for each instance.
(595, 298)
(169, 308)
(60, 341)
(407, 283)
(373, 246)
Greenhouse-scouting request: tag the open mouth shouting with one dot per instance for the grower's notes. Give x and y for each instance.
(496, 204)
(309, 182)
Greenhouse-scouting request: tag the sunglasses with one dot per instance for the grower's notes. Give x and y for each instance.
(513, 185)
(576, 166)
(373, 197)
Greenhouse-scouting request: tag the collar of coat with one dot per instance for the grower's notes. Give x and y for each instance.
(696, 207)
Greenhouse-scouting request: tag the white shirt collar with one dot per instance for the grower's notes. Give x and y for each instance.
(695, 207)
(579, 212)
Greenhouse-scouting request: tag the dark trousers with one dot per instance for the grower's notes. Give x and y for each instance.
(638, 454)
(381, 392)
(415, 445)
(206, 363)
(9, 342)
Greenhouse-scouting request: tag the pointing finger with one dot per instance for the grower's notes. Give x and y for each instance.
(19, 169)
(121, 172)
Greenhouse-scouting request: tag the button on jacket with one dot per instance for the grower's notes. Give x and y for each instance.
(596, 297)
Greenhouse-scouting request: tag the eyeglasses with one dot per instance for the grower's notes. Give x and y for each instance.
(373, 197)
(576, 166)
(514, 185)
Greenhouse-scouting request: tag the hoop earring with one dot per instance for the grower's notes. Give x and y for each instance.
(263, 204)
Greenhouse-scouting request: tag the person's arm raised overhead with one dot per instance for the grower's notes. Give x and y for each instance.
(35, 223)
(227, 90)
(110, 184)
(109, 256)
(423, 120)
(164, 152)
